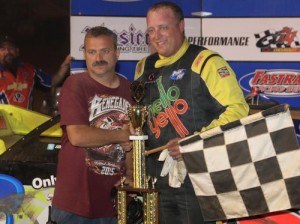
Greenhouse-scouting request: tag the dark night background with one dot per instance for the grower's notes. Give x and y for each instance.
(42, 30)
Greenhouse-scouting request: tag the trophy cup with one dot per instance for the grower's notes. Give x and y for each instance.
(138, 114)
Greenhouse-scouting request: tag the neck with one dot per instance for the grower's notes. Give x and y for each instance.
(111, 81)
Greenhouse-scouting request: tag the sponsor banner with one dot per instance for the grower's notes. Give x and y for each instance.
(251, 39)
(279, 83)
(132, 39)
(273, 82)
(131, 32)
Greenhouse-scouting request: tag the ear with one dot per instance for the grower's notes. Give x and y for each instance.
(181, 26)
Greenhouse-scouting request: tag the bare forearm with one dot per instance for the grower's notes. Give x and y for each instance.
(86, 136)
(58, 77)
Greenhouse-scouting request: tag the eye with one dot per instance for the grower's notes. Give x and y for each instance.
(150, 31)
(105, 51)
(163, 28)
(91, 52)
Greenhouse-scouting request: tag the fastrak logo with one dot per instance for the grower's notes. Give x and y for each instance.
(274, 82)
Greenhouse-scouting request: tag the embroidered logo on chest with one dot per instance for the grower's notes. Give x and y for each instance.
(178, 74)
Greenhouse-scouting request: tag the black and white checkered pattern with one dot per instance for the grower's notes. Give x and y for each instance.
(247, 167)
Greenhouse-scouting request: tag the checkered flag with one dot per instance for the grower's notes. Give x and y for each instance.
(247, 167)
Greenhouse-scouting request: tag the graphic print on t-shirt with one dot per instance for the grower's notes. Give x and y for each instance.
(107, 112)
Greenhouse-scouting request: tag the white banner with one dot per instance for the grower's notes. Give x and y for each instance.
(252, 39)
(236, 39)
(131, 31)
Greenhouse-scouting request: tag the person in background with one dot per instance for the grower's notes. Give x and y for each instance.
(96, 150)
(188, 89)
(18, 79)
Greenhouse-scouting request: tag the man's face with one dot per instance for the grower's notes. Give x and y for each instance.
(101, 56)
(8, 53)
(165, 31)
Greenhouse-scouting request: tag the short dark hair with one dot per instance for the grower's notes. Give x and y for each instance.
(171, 5)
(102, 31)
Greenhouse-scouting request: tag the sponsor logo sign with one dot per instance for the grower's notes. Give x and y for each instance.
(251, 39)
(284, 40)
(273, 82)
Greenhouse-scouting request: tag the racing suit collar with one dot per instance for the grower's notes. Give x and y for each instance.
(164, 61)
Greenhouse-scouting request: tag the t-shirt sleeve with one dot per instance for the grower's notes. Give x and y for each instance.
(72, 103)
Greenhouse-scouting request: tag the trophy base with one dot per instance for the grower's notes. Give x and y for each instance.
(148, 205)
(138, 137)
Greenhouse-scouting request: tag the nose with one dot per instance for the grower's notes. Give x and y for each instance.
(99, 56)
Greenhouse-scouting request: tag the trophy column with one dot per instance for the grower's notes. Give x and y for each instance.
(138, 115)
(142, 183)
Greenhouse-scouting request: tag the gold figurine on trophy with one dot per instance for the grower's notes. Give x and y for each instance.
(138, 114)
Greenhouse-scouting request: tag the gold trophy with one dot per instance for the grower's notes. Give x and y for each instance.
(138, 114)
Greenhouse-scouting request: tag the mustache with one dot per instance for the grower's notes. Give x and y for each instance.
(102, 62)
